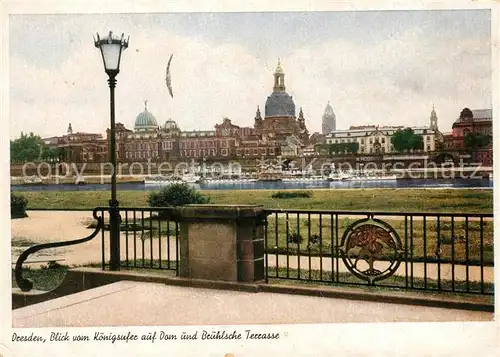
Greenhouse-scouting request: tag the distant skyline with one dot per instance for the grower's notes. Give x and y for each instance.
(375, 68)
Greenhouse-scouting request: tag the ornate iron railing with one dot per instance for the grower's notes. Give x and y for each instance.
(26, 284)
(149, 238)
(446, 252)
(422, 251)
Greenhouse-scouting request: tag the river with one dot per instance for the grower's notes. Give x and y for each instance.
(280, 185)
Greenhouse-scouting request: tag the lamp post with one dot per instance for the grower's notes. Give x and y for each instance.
(111, 50)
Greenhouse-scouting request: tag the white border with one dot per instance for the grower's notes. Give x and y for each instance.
(434, 339)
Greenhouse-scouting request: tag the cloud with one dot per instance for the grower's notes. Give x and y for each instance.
(393, 80)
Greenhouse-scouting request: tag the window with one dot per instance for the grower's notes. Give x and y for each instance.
(362, 141)
(428, 138)
(383, 140)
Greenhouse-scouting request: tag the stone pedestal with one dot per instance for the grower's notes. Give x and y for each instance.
(221, 242)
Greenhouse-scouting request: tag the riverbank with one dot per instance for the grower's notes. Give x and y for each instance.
(390, 200)
(73, 180)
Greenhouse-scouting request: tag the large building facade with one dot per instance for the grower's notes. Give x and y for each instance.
(373, 139)
(79, 146)
(279, 132)
(478, 122)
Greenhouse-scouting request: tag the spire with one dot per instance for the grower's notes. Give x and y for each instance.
(328, 110)
(279, 69)
(257, 114)
(433, 118)
(145, 105)
(279, 78)
(301, 114)
(70, 129)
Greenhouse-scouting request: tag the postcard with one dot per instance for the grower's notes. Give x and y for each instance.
(299, 179)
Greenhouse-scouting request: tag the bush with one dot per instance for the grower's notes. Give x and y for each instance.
(315, 239)
(18, 205)
(292, 194)
(295, 238)
(175, 195)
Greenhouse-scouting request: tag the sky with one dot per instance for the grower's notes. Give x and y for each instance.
(374, 67)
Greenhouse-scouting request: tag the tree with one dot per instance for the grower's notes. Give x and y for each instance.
(416, 142)
(352, 148)
(475, 141)
(51, 154)
(26, 148)
(406, 140)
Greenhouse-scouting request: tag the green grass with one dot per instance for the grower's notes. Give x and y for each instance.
(404, 200)
(45, 279)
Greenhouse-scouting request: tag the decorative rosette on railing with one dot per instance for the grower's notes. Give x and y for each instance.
(371, 249)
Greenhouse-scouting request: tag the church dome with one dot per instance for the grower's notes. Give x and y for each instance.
(329, 110)
(145, 121)
(170, 125)
(280, 104)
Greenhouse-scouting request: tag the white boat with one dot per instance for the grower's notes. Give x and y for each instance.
(339, 176)
(304, 179)
(160, 180)
(376, 177)
(191, 178)
(222, 180)
(33, 180)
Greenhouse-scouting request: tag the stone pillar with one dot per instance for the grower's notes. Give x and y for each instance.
(221, 242)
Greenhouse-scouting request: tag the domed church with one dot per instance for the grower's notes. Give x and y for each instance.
(145, 121)
(279, 114)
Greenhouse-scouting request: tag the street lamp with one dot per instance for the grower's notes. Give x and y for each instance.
(111, 50)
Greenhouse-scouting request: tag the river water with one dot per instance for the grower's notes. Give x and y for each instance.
(280, 185)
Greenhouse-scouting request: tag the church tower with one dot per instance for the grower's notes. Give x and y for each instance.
(434, 119)
(70, 129)
(329, 122)
(279, 79)
(258, 120)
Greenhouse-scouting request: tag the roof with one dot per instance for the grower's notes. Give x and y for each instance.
(279, 104)
(482, 114)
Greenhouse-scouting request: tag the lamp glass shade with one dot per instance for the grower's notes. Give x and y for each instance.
(111, 53)
(111, 49)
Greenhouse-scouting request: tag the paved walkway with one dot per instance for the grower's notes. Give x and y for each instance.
(129, 303)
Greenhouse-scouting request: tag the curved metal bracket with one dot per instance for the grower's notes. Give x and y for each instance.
(26, 284)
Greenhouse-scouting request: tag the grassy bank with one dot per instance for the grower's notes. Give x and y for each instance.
(401, 200)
